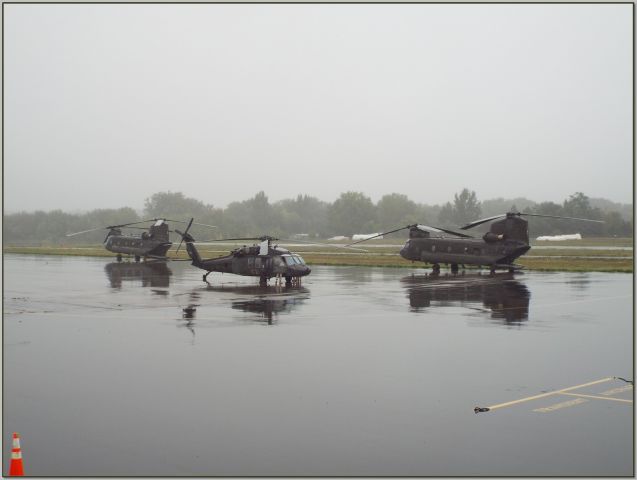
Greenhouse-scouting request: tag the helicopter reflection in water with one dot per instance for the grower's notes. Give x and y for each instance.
(265, 303)
(506, 298)
(151, 274)
(268, 307)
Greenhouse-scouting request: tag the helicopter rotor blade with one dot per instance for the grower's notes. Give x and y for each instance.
(261, 238)
(183, 235)
(84, 231)
(379, 235)
(519, 214)
(481, 221)
(428, 228)
(560, 216)
(193, 223)
(133, 223)
(292, 241)
(113, 226)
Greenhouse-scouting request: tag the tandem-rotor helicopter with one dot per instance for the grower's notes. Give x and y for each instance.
(262, 260)
(153, 243)
(505, 241)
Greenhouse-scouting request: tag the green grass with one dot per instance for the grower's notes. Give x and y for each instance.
(552, 259)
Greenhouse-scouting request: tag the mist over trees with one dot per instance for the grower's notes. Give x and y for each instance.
(464, 209)
(352, 212)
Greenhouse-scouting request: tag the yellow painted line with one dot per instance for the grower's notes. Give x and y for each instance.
(595, 396)
(557, 406)
(542, 395)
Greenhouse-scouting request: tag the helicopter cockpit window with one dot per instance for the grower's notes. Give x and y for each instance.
(293, 260)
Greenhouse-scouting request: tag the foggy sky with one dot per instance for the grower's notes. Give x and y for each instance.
(107, 104)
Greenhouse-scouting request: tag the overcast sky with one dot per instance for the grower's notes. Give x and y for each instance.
(105, 105)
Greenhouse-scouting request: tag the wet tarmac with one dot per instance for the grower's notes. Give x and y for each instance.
(138, 369)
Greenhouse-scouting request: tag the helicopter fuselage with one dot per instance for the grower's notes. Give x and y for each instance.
(463, 251)
(154, 243)
(130, 245)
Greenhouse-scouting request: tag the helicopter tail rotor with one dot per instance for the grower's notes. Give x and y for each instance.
(185, 235)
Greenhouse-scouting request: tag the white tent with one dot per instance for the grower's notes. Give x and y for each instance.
(559, 238)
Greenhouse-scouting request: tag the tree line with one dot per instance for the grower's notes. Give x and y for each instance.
(352, 212)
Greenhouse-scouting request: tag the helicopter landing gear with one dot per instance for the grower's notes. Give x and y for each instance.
(288, 281)
(137, 258)
(435, 268)
(119, 257)
(263, 281)
(205, 276)
(454, 268)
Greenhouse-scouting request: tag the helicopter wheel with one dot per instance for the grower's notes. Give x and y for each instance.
(119, 257)
(263, 281)
(435, 268)
(454, 268)
(288, 281)
(137, 258)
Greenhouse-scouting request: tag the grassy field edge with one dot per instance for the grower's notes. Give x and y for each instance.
(595, 261)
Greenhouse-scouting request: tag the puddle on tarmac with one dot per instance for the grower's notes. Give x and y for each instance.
(145, 370)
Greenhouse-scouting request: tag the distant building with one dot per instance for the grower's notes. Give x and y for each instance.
(301, 236)
(339, 238)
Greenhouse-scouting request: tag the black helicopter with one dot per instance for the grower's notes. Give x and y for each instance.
(261, 260)
(506, 240)
(153, 243)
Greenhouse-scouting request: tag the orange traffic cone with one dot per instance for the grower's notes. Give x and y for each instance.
(16, 469)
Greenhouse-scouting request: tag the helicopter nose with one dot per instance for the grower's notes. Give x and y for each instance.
(404, 252)
(304, 270)
(300, 270)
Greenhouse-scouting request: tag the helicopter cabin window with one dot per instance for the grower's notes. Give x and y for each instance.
(433, 248)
